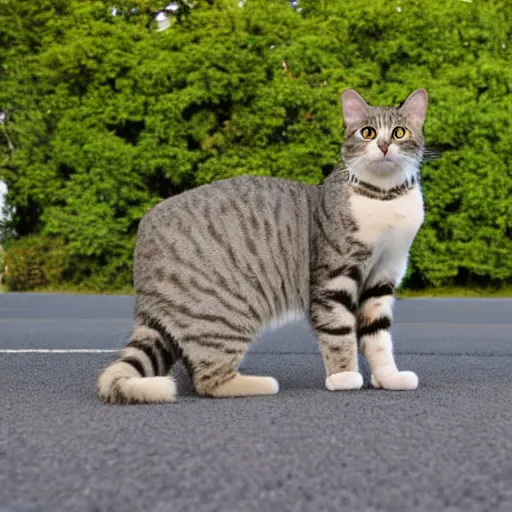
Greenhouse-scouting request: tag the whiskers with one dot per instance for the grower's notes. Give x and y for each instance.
(431, 154)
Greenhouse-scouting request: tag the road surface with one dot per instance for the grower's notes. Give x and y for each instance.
(446, 446)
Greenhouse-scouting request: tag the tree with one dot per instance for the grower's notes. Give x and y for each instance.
(109, 115)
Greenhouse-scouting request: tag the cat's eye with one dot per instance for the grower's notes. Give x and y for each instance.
(400, 132)
(368, 133)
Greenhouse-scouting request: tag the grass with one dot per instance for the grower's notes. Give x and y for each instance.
(457, 292)
(127, 290)
(445, 292)
(78, 290)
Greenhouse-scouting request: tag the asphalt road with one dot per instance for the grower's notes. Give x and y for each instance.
(446, 446)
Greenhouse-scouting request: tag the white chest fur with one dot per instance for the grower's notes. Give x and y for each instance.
(392, 224)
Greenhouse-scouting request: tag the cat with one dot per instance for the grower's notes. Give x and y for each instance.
(216, 264)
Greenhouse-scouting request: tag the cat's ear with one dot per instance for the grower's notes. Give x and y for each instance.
(415, 108)
(355, 109)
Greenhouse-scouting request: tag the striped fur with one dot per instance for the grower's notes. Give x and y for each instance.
(215, 265)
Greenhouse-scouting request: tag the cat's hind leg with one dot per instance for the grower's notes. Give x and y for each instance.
(246, 385)
(213, 363)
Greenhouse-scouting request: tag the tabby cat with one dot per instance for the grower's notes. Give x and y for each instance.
(213, 266)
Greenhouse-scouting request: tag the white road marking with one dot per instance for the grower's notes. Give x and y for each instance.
(58, 351)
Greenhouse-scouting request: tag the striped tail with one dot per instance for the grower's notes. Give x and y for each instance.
(140, 374)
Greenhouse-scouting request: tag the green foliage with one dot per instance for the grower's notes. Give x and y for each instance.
(106, 115)
(35, 262)
(2, 263)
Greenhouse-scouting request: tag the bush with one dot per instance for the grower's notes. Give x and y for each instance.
(2, 264)
(107, 116)
(35, 262)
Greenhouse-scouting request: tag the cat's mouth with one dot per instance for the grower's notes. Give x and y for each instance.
(390, 157)
(386, 164)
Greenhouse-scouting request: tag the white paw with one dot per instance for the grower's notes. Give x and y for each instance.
(344, 381)
(273, 385)
(396, 381)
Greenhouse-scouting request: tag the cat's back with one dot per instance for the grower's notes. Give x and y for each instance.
(243, 226)
(245, 191)
(257, 198)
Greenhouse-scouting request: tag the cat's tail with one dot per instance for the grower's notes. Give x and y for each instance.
(140, 374)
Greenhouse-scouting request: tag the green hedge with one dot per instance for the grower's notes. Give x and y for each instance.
(35, 262)
(107, 115)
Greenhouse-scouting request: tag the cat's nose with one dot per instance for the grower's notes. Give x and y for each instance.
(383, 146)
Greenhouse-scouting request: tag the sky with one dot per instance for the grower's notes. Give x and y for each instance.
(3, 190)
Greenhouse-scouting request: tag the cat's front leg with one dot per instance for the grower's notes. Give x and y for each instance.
(333, 317)
(374, 323)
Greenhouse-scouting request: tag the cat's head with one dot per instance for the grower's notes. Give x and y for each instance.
(383, 141)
